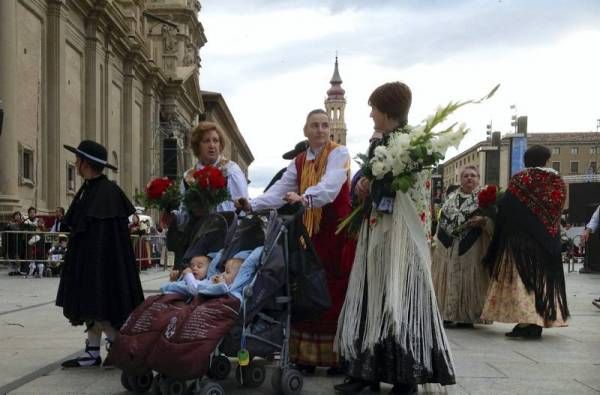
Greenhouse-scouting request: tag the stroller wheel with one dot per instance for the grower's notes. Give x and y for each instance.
(252, 375)
(219, 367)
(141, 383)
(155, 389)
(291, 382)
(210, 388)
(170, 386)
(276, 380)
(125, 381)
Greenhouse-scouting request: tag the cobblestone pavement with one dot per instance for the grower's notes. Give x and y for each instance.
(34, 338)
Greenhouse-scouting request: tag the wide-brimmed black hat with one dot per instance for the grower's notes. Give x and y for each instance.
(298, 149)
(92, 151)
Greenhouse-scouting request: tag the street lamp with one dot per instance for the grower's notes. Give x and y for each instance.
(513, 121)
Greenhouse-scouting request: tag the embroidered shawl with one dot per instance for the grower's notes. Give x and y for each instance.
(543, 192)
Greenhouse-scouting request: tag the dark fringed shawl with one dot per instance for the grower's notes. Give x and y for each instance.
(527, 229)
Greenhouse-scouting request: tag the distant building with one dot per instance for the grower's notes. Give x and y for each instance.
(574, 155)
(335, 105)
(124, 73)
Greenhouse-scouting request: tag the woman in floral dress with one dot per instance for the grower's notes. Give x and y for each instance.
(459, 278)
(528, 282)
(390, 329)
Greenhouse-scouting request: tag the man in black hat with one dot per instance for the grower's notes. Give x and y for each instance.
(99, 284)
(298, 149)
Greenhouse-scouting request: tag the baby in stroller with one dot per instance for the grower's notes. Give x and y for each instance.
(203, 276)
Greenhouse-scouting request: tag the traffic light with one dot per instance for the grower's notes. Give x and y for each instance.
(488, 130)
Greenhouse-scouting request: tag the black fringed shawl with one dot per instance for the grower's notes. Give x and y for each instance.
(527, 229)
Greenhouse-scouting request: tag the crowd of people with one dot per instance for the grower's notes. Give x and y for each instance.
(33, 248)
(393, 291)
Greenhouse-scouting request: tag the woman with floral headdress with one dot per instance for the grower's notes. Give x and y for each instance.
(318, 179)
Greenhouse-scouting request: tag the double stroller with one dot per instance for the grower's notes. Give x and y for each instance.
(188, 341)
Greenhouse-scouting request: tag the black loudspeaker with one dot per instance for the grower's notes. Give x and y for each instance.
(583, 199)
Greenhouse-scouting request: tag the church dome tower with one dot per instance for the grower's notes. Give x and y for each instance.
(335, 105)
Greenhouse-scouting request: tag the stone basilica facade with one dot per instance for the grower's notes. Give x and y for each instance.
(122, 72)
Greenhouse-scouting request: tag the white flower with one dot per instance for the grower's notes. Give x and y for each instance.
(378, 169)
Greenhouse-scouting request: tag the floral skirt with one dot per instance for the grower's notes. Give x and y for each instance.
(509, 301)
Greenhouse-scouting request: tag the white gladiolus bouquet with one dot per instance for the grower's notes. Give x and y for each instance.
(409, 151)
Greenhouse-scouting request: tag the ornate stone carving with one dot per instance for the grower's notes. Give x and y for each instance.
(169, 40)
(189, 58)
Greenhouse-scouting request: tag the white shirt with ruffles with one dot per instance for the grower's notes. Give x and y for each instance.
(324, 192)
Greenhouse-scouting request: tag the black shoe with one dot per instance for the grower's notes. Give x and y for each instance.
(448, 324)
(529, 332)
(82, 362)
(465, 325)
(86, 360)
(352, 385)
(405, 389)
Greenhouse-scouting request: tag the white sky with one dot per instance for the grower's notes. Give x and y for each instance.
(272, 61)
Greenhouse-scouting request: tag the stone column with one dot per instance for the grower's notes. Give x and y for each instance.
(55, 47)
(9, 152)
(148, 126)
(127, 128)
(91, 49)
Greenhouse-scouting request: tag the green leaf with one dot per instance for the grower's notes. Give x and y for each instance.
(403, 183)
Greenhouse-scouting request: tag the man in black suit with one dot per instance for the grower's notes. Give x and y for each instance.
(59, 226)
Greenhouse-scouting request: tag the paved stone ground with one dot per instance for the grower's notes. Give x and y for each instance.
(34, 338)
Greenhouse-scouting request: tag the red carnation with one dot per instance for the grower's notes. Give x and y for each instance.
(160, 193)
(487, 196)
(216, 178)
(208, 190)
(157, 187)
(210, 177)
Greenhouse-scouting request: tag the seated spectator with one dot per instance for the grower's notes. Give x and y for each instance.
(57, 255)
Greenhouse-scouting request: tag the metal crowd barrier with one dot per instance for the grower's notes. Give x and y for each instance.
(28, 252)
(20, 249)
(150, 251)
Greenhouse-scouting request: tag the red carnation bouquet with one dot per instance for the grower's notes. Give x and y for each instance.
(487, 200)
(206, 188)
(161, 193)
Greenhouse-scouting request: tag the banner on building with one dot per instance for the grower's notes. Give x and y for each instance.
(518, 146)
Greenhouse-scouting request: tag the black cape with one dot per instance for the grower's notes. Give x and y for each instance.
(99, 279)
